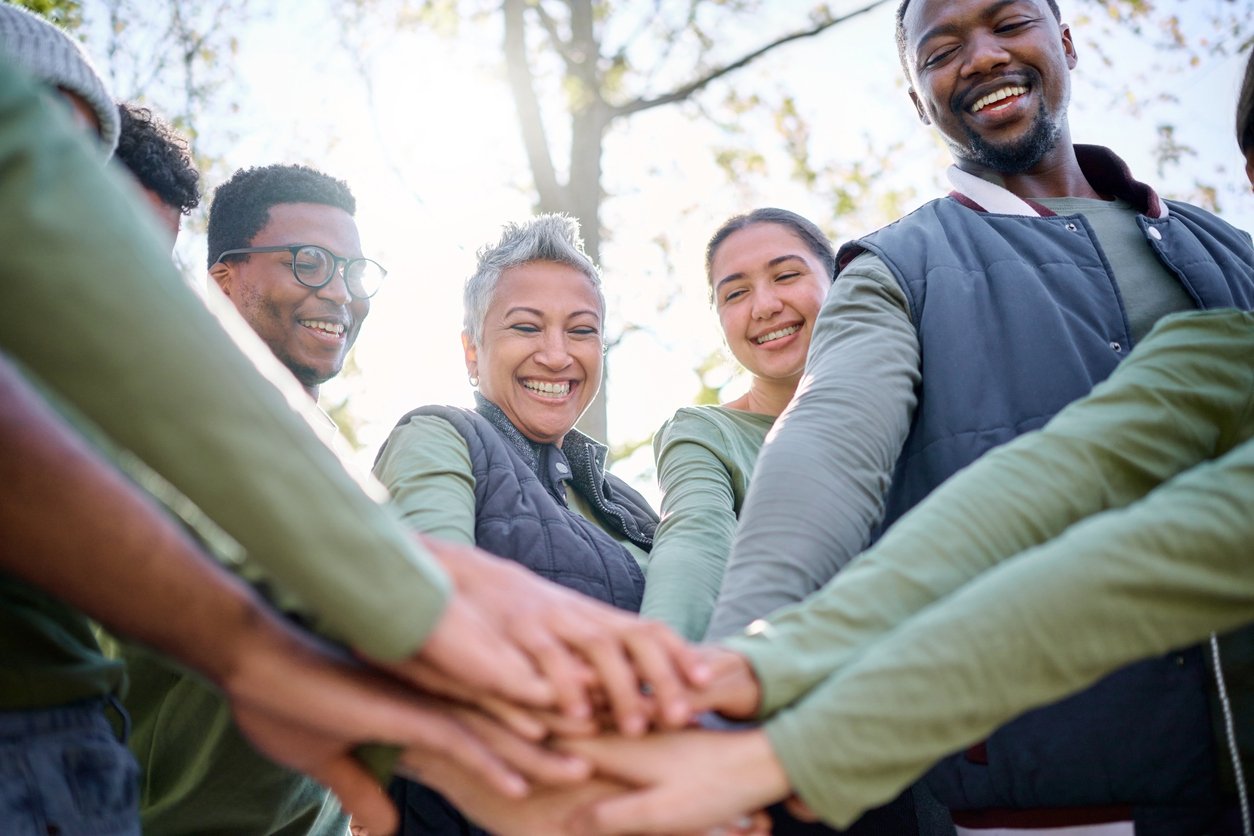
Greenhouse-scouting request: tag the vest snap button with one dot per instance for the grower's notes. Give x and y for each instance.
(562, 468)
(1071, 227)
(1116, 347)
(1155, 234)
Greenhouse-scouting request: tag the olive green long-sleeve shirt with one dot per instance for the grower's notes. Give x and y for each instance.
(1119, 531)
(820, 482)
(705, 457)
(95, 311)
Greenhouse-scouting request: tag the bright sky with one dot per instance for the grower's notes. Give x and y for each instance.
(437, 168)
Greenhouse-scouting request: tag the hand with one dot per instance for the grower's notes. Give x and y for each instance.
(307, 706)
(733, 689)
(550, 810)
(570, 638)
(547, 810)
(533, 761)
(467, 657)
(686, 780)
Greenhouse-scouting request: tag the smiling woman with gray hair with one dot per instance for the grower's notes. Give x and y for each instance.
(512, 475)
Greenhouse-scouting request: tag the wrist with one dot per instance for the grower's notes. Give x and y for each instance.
(757, 768)
(733, 688)
(253, 648)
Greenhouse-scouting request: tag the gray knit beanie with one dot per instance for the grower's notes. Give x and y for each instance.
(56, 59)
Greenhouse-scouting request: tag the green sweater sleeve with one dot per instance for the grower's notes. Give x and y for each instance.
(698, 520)
(1120, 586)
(99, 314)
(1181, 398)
(426, 468)
(818, 487)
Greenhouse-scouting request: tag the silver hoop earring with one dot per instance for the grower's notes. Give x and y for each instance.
(474, 380)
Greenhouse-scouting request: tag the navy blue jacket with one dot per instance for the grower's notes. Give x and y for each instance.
(521, 513)
(521, 510)
(1017, 316)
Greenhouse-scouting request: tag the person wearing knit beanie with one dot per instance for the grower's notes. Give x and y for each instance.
(53, 57)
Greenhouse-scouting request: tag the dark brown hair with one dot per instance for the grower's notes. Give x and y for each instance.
(806, 230)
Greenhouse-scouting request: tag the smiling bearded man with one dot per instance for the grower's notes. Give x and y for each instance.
(1023, 288)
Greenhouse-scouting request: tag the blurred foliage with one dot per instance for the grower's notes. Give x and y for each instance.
(577, 67)
(68, 14)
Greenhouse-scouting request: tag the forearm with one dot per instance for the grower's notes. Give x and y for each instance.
(74, 527)
(818, 485)
(110, 327)
(1182, 398)
(1121, 586)
(693, 540)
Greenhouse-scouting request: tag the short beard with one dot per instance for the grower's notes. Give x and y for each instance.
(1019, 156)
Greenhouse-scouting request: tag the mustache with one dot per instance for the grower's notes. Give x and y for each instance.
(961, 101)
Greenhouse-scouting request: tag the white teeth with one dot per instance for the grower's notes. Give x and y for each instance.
(997, 96)
(775, 335)
(542, 387)
(335, 328)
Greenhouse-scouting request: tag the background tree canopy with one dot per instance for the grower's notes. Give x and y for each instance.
(651, 121)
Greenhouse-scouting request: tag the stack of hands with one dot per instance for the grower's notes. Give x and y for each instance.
(532, 708)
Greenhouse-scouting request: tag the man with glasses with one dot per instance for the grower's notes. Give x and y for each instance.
(284, 249)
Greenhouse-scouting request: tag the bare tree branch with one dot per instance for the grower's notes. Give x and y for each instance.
(645, 21)
(357, 57)
(692, 87)
(561, 47)
(530, 120)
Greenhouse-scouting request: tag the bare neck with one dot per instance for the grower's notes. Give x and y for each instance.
(766, 397)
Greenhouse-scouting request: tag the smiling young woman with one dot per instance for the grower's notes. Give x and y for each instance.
(769, 271)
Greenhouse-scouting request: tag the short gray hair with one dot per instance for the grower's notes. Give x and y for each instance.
(541, 238)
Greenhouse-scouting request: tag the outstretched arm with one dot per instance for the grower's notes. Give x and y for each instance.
(698, 521)
(69, 520)
(1121, 586)
(1183, 397)
(819, 482)
(110, 327)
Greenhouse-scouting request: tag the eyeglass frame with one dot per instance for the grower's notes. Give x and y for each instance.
(339, 264)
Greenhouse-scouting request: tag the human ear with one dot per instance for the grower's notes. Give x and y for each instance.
(1068, 46)
(471, 353)
(918, 106)
(222, 273)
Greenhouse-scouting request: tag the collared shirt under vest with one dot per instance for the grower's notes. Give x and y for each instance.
(1018, 314)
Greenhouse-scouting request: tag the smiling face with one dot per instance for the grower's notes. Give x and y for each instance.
(539, 357)
(993, 76)
(310, 330)
(768, 288)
